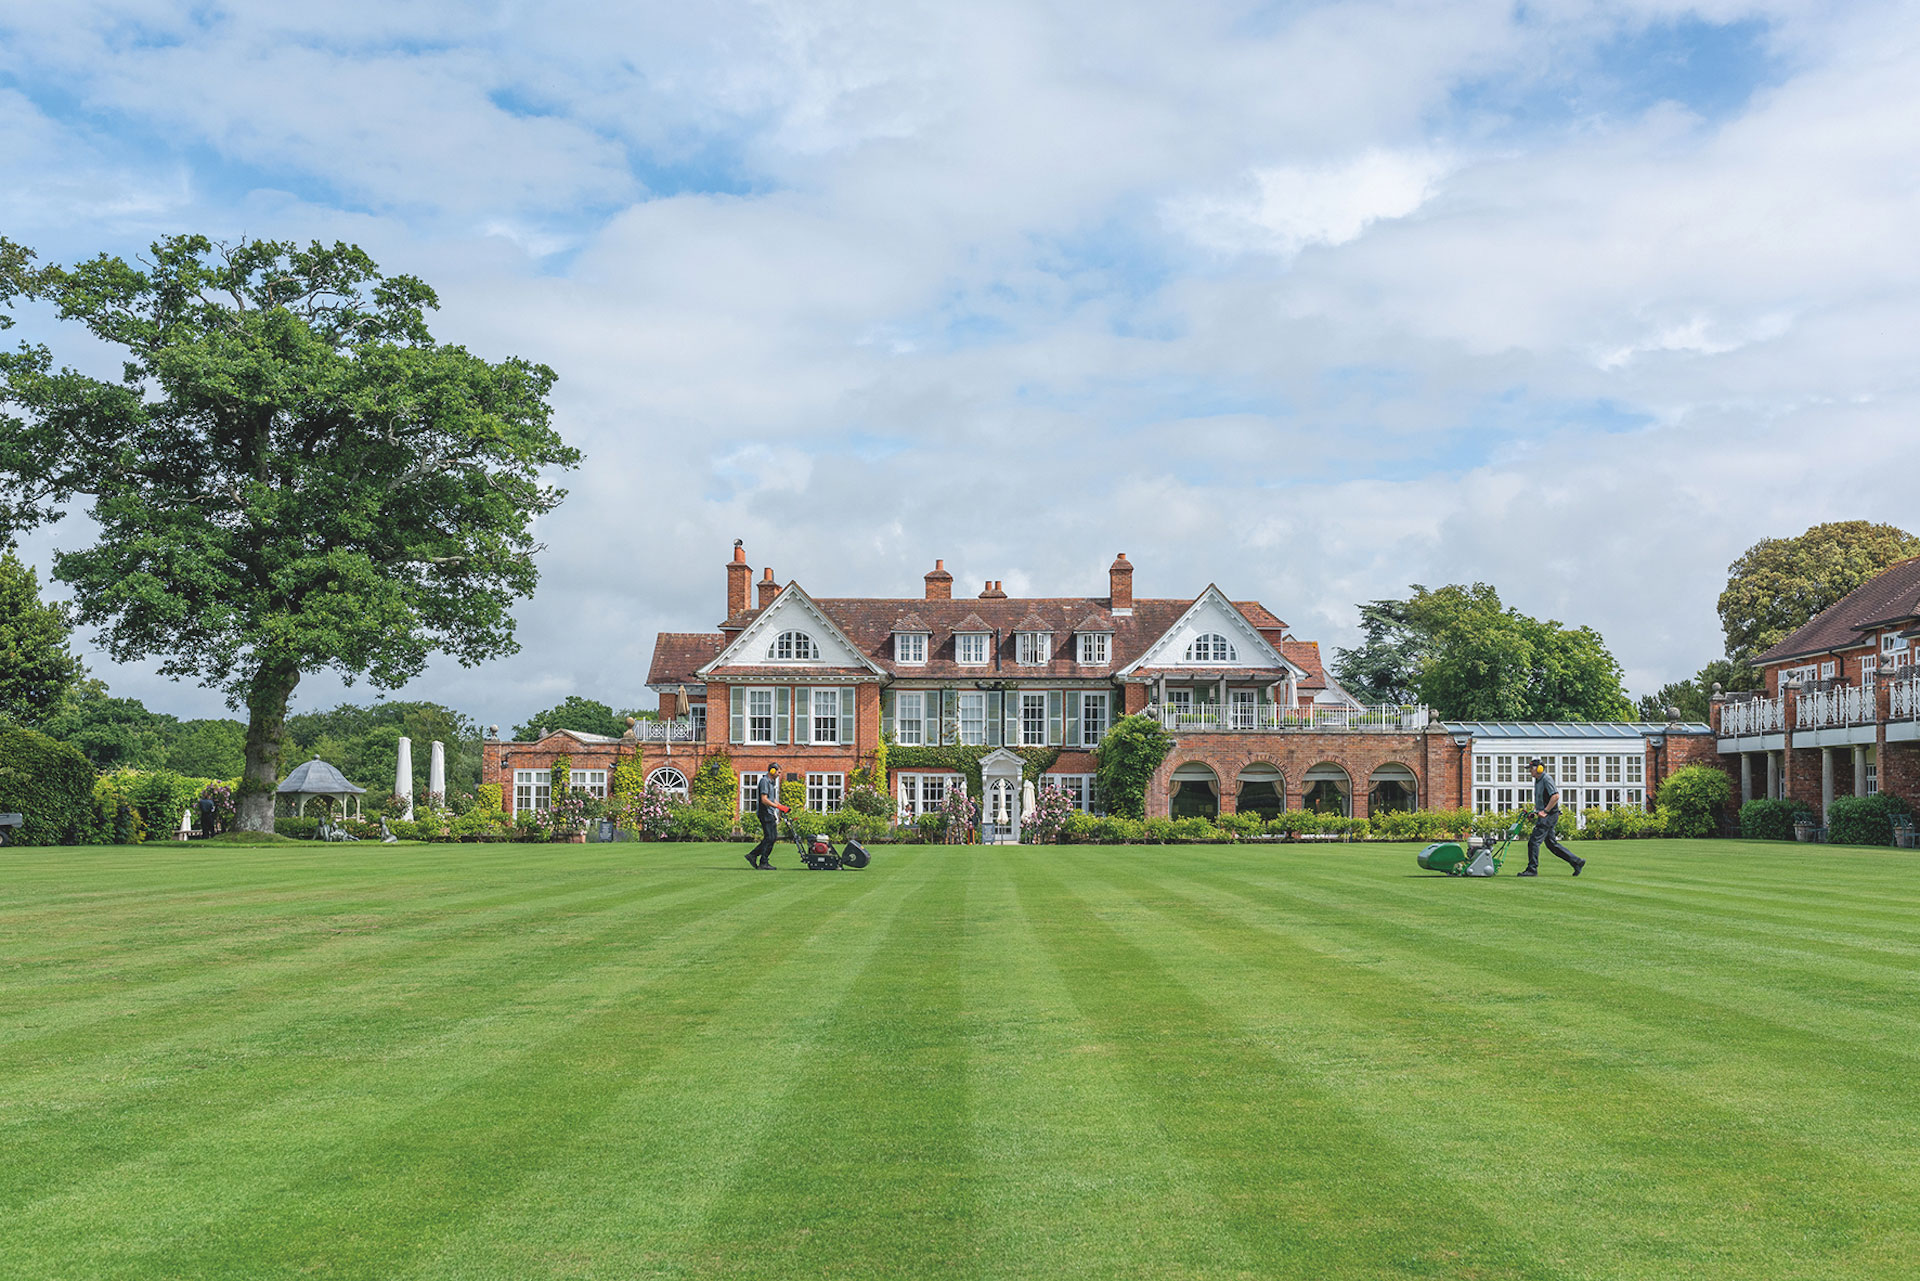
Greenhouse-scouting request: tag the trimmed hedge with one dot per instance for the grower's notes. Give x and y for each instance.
(50, 784)
(1863, 820)
(1771, 819)
(1693, 798)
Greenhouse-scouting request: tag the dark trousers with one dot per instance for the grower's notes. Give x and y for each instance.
(1544, 828)
(769, 837)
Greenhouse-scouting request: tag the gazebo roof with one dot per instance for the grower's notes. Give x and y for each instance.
(317, 778)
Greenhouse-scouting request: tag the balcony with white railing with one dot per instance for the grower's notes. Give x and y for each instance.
(1273, 718)
(1903, 700)
(676, 731)
(1753, 716)
(1833, 708)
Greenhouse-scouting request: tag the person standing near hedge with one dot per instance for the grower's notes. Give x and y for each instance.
(1546, 822)
(768, 803)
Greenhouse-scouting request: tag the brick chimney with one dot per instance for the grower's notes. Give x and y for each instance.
(939, 582)
(993, 591)
(1120, 585)
(739, 581)
(768, 588)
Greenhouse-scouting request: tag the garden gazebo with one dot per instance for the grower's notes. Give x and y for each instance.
(313, 779)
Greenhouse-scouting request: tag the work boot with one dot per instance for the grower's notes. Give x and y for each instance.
(1532, 871)
(1578, 865)
(751, 862)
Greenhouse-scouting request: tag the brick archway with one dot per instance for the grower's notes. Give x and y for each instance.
(1293, 754)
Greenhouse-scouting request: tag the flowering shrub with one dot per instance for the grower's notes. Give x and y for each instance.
(959, 812)
(570, 811)
(652, 812)
(1050, 809)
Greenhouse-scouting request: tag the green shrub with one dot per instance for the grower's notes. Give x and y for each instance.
(50, 784)
(1693, 798)
(1125, 762)
(1079, 828)
(864, 798)
(1863, 820)
(1421, 825)
(714, 786)
(487, 797)
(477, 824)
(299, 828)
(1111, 829)
(932, 828)
(1158, 831)
(1240, 826)
(1771, 818)
(693, 823)
(1195, 829)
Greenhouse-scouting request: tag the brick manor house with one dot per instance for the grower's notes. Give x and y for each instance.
(1840, 714)
(1258, 723)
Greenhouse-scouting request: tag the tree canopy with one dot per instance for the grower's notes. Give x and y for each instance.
(36, 667)
(364, 742)
(1464, 654)
(1780, 584)
(586, 715)
(291, 474)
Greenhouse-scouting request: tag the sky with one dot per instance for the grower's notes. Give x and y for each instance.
(1310, 301)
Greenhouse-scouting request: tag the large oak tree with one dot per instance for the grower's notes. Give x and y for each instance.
(290, 475)
(1780, 584)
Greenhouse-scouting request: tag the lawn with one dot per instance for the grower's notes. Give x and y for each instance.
(1697, 1060)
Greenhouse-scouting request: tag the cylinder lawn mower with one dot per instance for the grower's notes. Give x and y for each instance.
(820, 856)
(1476, 856)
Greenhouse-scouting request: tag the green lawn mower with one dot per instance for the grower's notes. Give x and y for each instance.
(1476, 856)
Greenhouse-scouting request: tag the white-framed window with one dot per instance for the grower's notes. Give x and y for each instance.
(1212, 648)
(1241, 704)
(1613, 769)
(749, 792)
(532, 790)
(760, 716)
(1483, 800)
(825, 792)
(970, 647)
(1078, 787)
(1093, 647)
(1614, 798)
(1634, 796)
(697, 713)
(794, 645)
(910, 648)
(1503, 769)
(1802, 674)
(1892, 643)
(1180, 700)
(1826, 670)
(1033, 720)
(671, 779)
(973, 719)
(909, 718)
(1873, 777)
(1636, 769)
(1503, 797)
(1593, 798)
(1569, 770)
(1483, 772)
(1094, 719)
(826, 715)
(1869, 668)
(923, 793)
(1592, 769)
(1033, 649)
(592, 781)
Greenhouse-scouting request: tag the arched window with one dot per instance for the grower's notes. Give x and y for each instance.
(794, 645)
(671, 779)
(1212, 648)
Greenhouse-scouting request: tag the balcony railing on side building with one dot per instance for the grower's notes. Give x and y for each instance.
(1903, 700)
(1753, 716)
(1846, 705)
(1253, 718)
(678, 731)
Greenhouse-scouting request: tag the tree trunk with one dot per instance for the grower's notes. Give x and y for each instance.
(267, 697)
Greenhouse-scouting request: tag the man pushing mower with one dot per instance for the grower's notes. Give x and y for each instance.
(767, 801)
(1546, 821)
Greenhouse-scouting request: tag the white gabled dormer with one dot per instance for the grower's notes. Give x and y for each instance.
(911, 640)
(793, 632)
(1212, 633)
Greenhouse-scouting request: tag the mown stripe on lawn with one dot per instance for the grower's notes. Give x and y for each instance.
(364, 1160)
(1075, 1175)
(1627, 1158)
(1307, 1187)
(867, 1167)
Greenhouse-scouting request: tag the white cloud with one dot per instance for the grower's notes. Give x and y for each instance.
(1288, 208)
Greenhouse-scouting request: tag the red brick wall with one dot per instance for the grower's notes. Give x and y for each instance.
(1432, 757)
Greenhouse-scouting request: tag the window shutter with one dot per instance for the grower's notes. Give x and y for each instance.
(994, 700)
(782, 714)
(1053, 718)
(847, 704)
(1073, 718)
(948, 718)
(737, 732)
(886, 713)
(802, 714)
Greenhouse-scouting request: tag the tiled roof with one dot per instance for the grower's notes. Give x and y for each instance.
(1098, 621)
(677, 656)
(1571, 729)
(1259, 616)
(972, 623)
(910, 623)
(317, 778)
(1033, 623)
(1891, 596)
(1306, 656)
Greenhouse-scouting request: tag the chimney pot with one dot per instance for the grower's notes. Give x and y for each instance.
(1120, 585)
(739, 581)
(768, 588)
(939, 582)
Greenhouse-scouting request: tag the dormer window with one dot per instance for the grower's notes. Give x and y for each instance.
(910, 648)
(794, 645)
(1212, 648)
(970, 648)
(1094, 648)
(1033, 649)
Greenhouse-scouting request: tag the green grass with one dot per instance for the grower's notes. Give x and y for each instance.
(1697, 1060)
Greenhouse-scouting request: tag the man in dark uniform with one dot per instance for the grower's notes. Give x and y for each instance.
(767, 801)
(1546, 821)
